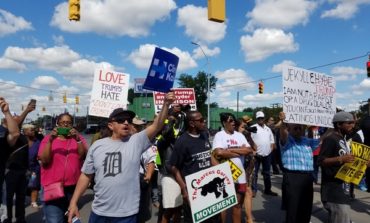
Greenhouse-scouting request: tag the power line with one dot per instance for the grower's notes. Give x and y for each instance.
(311, 68)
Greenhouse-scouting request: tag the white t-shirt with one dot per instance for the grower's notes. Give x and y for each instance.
(263, 139)
(223, 140)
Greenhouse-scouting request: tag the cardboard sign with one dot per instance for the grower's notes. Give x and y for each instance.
(309, 97)
(210, 191)
(353, 172)
(109, 91)
(162, 71)
(183, 96)
(138, 86)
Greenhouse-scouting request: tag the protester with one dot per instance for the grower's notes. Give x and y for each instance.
(335, 152)
(242, 126)
(230, 144)
(192, 153)
(297, 158)
(33, 163)
(8, 137)
(61, 154)
(115, 162)
(365, 127)
(265, 142)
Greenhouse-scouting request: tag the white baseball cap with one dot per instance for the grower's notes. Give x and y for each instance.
(260, 114)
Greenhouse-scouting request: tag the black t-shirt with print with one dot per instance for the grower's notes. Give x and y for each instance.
(331, 187)
(191, 154)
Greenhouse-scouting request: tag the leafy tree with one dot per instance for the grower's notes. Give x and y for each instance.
(130, 95)
(199, 83)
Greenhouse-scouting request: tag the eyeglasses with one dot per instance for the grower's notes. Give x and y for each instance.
(198, 120)
(122, 120)
(65, 123)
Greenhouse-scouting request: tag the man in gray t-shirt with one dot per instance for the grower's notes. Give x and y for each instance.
(115, 161)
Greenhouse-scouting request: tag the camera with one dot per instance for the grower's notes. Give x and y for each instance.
(252, 129)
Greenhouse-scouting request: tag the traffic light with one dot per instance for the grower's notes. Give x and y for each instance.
(260, 87)
(216, 10)
(65, 98)
(74, 10)
(368, 68)
(77, 99)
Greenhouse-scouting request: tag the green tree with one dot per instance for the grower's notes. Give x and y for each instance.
(199, 83)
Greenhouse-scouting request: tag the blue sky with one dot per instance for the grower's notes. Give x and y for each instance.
(41, 48)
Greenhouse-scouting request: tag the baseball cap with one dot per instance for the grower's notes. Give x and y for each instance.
(121, 112)
(247, 119)
(260, 114)
(137, 121)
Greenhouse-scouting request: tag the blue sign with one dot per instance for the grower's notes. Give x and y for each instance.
(162, 71)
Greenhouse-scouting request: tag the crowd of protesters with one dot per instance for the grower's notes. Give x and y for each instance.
(131, 164)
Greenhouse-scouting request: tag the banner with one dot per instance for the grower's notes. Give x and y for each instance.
(309, 97)
(353, 172)
(210, 191)
(138, 86)
(109, 91)
(183, 96)
(162, 71)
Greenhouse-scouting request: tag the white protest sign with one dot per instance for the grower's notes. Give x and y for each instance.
(110, 90)
(183, 96)
(210, 191)
(309, 97)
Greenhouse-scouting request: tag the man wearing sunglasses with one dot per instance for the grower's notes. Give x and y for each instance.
(192, 153)
(115, 163)
(297, 159)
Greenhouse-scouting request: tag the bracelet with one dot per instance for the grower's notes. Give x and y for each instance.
(79, 141)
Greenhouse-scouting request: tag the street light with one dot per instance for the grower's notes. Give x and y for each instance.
(208, 83)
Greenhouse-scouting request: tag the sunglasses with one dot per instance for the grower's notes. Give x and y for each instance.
(122, 120)
(230, 120)
(198, 120)
(349, 123)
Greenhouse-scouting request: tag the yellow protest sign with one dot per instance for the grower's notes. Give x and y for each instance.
(235, 170)
(353, 172)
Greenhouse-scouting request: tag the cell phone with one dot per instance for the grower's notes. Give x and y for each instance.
(32, 102)
(63, 131)
(76, 220)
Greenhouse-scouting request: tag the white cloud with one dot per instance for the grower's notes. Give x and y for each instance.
(52, 58)
(58, 40)
(282, 14)
(232, 79)
(278, 68)
(344, 9)
(45, 81)
(6, 63)
(114, 17)
(142, 57)
(365, 84)
(10, 23)
(346, 73)
(198, 27)
(198, 54)
(263, 97)
(266, 42)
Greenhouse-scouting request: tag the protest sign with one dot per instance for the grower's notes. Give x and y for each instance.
(309, 97)
(353, 172)
(183, 96)
(210, 191)
(138, 86)
(109, 91)
(162, 71)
